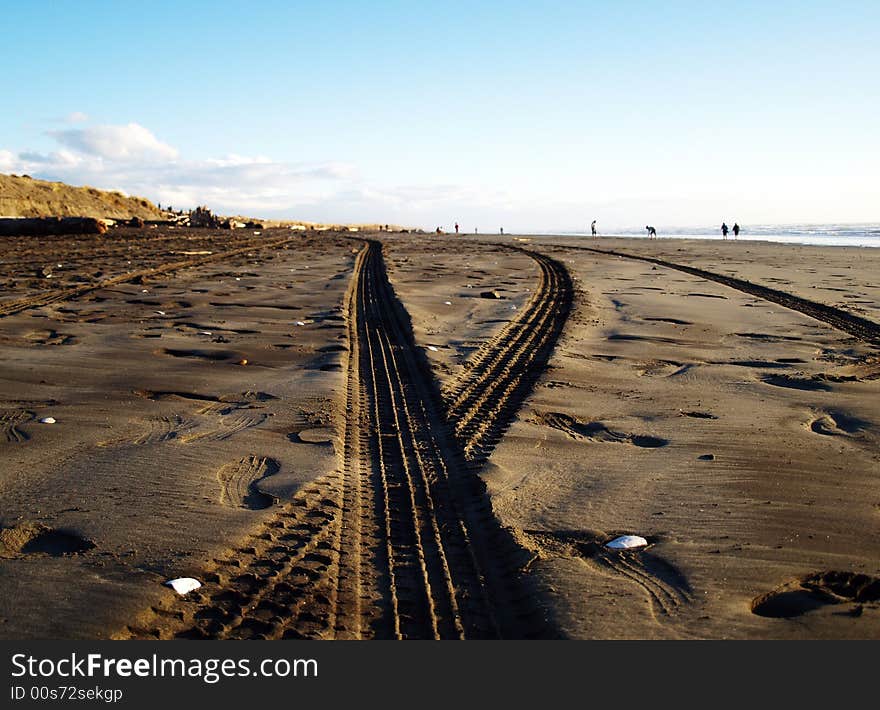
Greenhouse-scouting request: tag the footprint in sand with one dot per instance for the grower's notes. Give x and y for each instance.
(674, 321)
(10, 421)
(646, 338)
(817, 590)
(796, 383)
(836, 423)
(315, 435)
(51, 337)
(30, 538)
(597, 431)
(239, 482)
(696, 414)
(213, 355)
(653, 368)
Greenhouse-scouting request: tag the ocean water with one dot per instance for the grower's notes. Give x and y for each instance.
(853, 235)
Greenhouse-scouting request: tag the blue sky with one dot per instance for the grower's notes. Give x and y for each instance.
(527, 115)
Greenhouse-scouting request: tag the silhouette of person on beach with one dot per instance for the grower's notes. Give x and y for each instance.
(735, 230)
(502, 230)
(652, 233)
(724, 229)
(593, 227)
(456, 227)
(438, 231)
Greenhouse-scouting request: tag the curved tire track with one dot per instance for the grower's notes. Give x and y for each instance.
(483, 402)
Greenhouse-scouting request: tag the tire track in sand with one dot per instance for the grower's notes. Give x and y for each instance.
(8, 308)
(402, 544)
(484, 400)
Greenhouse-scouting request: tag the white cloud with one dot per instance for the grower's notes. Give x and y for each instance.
(129, 142)
(8, 161)
(76, 117)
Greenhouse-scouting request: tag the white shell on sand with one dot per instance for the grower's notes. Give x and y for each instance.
(47, 420)
(627, 542)
(299, 322)
(160, 313)
(183, 585)
(448, 303)
(432, 348)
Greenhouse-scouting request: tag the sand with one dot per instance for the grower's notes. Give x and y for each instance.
(535, 408)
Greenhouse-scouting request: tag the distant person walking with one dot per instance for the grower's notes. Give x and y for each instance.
(502, 230)
(724, 229)
(735, 230)
(652, 233)
(456, 227)
(593, 227)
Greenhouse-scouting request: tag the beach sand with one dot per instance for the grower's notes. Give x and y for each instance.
(738, 436)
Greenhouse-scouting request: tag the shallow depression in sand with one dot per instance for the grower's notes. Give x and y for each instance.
(37, 539)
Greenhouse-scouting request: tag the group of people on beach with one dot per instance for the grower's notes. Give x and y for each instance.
(725, 230)
(652, 232)
(439, 230)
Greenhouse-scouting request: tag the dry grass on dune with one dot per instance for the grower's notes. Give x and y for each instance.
(22, 196)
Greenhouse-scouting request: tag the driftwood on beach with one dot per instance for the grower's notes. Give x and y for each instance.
(40, 226)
